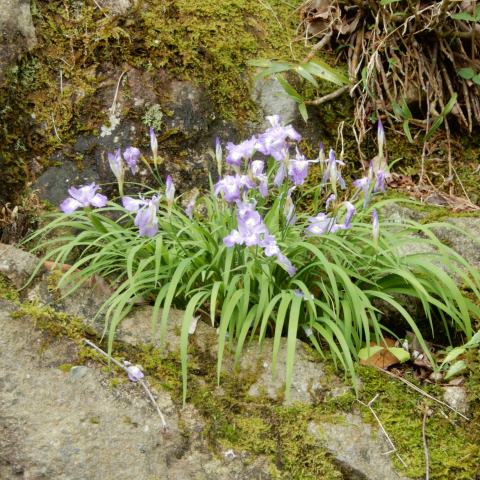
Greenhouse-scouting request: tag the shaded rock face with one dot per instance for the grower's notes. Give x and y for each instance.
(17, 33)
(185, 124)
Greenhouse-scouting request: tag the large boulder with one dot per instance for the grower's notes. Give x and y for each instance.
(17, 33)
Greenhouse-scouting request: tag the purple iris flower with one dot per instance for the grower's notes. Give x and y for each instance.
(332, 173)
(298, 169)
(256, 168)
(375, 226)
(231, 186)
(134, 372)
(244, 150)
(153, 143)
(146, 219)
(322, 224)
(274, 140)
(218, 155)
(169, 191)
(133, 204)
(131, 156)
(251, 228)
(364, 185)
(287, 264)
(350, 213)
(380, 137)
(331, 198)
(85, 196)
(280, 175)
(379, 182)
(269, 245)
(116, 165)
(189, 208)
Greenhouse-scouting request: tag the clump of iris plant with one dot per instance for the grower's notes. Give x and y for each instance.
(245, 256)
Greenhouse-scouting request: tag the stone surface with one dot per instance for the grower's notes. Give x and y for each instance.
(73, 426)
(468, 243)
(271, 99)
(456, 397)
(17, 33)
(359, 450)
(117, 7)
(17, 265)
(310, 382)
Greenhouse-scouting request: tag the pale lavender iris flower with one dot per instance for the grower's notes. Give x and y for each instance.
(146, 219)
(322, 224)
(242, 151)
(85, 196)
(232, 186)
(116, 165)
(274, 140)
(131, 156)
(350, 213)
(375, 226)
(298, 169)
(252, 231)
(363, 184)
(257, 168)
(169, 191)
(379, 182)
(153, 144)
(134, 372)
(332, 173)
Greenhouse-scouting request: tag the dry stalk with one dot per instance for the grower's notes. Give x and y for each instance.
(393, 449)
(140, 381)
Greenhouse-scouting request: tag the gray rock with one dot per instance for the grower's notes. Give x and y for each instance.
(72, 426)
(116, 7)
(17, 33)
(270, 97)
(456, 397)
(54, 183)
(78, 372)
(17, 265)
(359, 450)
(310, 382)
(464, 238)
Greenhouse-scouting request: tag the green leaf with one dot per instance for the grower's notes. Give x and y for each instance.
(324, 71)
(289, 89)
(465, 16)
(368, 352)
(388, 2)
(400, 354)
(466, 73)
(453, 354)
(455, 369)
(302, 108)
(476, 79)
(303, 72)
(474, 341)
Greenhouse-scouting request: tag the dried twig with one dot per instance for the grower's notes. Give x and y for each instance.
(393, 449)
(421, 392)
(426, 413)
(140, 381)
(331, 96)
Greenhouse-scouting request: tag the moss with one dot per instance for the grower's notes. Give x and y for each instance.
(54, 94)
(65, 367)
(261, 427)
(454, 445)
(7, 290)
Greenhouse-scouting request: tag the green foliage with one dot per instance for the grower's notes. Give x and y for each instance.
(343, 282)
(309, 71)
